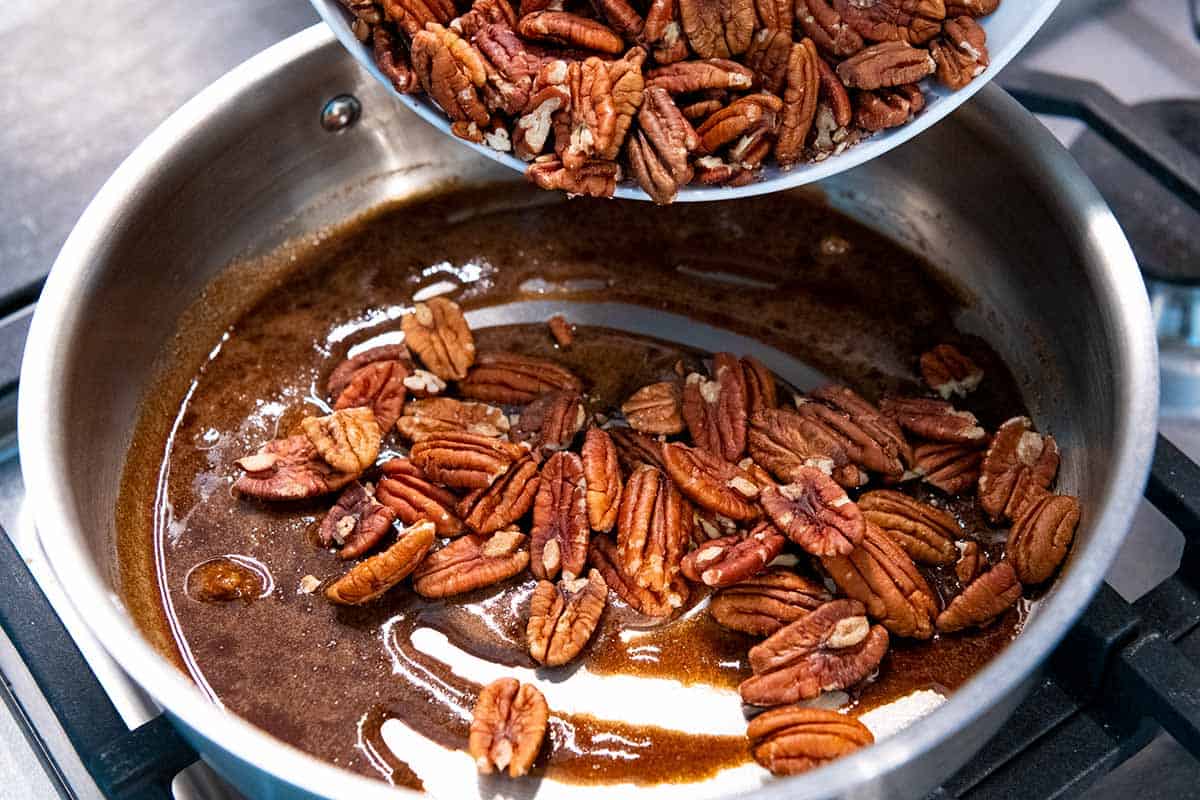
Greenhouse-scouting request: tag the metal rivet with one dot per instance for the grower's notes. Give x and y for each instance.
(340, 113)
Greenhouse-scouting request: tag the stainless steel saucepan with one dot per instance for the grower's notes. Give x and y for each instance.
(987, 195)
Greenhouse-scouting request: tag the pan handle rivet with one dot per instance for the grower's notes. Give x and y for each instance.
(340, 113)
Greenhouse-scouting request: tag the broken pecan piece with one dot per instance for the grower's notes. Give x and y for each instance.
(799, 102)
(825, 26)
(348, 440)
(926, 533)
(715, 409)
(504, 502)
(658, 157)
(508, 726)
(602, 477)
(559, 537)
(953, 468)
(471, 562)
(563, 617)
(551, 421)
(372, 577)
(936, 420)
(830, 648)
(653, 529)
(911, 21)
(437, 332)
(765, 603)
(437, 415)
(452, 73)
(947, 371)
(972, 8)
(570, 30)
(1041, 536)
(885, 64)
(696, 76)
(405, 489)
(561, 331)
(549, 95)
(511, 379)
(795, 739)
(465, 460)
(717, 28)
(662, 32)
(960, 52)
(971, 562)
(730, 559)
(887, 108)
(882, 576)
(411, 16)
(712, 482)
(1018, 468)
(645, 600)
(356, 523)
(635, 449)
(815, 513)
(983, 599)
(593, 178)
(655, 408)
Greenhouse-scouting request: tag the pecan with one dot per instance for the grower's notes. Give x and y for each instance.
(570, 30)
(437, 332)
(712, 482)
(768, 58)
(882, 576)
(872, 440)
(696, 76)
(926, 533)
(422, 383)
(971, 561)
(714, 171)
(835, 96)
(983, 599)
(911, 21)
(593, 178)
(602, 477)
(405, 489)
(971, 8)
(508, 726)
(707, 526)
(511, 379)
(885, 64)
(559, 537)
(452, 72)
(551, 421)
(411, 16)
(393, 61)
(1041, 535)
(799, 102)
(356, 523)
(635, 449)
(795, 739)
(655, 408)
(344, 372)
(623, 17)
(348, 440)
(377, 385)
(437, 415)
(645, 600)
(760, 386)
(563, 617)
(947, 371)
(825, 26)
(482, 14)
(372, 577)
(953, 468)
(604, 98)
(765, 603)
(748, 124)
(717, 28)
(1017, 468)
(960, 52)
(288, 469)
(549, 95)
(815, 513)
(936, 420)
(653, 528)
(465, 460)
(471, 562)
(774, 15)
(562, 331)
(511, 67)
(504, 502)
(366, 17)
(887, 108)
(730, 559)
(784, 443)
(658, 158)
(830, 648)
(715, 409)
(662, 32)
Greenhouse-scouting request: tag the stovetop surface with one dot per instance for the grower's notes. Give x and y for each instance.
(85, 82)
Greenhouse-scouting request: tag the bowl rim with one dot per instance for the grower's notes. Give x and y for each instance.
(1104, 252)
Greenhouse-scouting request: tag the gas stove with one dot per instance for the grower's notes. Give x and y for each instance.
(1118, 81)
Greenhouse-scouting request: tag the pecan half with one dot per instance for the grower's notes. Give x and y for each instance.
(795, 739)
(960, 52)
(645, 600)
(768, 58)
(356, 523)
(452, 72)
(760, 386)
(947, 371)
(511, 379)
(662, 32)
(885, 64)
(604, 98)
(348, 440)
(482, 14)
(799, 102)
(971, 561)
(344, 372)
(653, 529)
(715, 409)
(288, 469)
(887, 108)
(437, 332)
(372, 577)
(828, 649)
(508, 726)
(836, 99)
(785, 443)
(983, 599)
(711, 482)
(563, 617)
(926, 533)
(825, 26)
(747, 125)
(1041, 536)
(551, 421)
(871, 439)
(411, 16)
(765, 603)
(602, 477)
(655, 408)
(635, 449)
(561, 331)
(405, 489)
(881, 576)
(936, 420)
(549, 95)
(504, 502)
(465, 460)
(379, 386)
(696, 76)
(559, 537)
(392, 59)
(594, 178)
(511, 66)
(730, 559)
(953, 468)
(815, 513)
(658, 158)
(570, 30)
(622, 17)
(717, 28)
(911, 21)
(471, 562)
(437, 415)
(1017, 468)
(972, 8)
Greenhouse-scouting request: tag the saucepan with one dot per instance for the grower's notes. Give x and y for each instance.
(300, 138)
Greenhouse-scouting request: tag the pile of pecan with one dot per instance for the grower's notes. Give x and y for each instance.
(671, 92)
(688, 493)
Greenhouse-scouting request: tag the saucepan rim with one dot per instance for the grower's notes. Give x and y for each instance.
(1104, 254)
